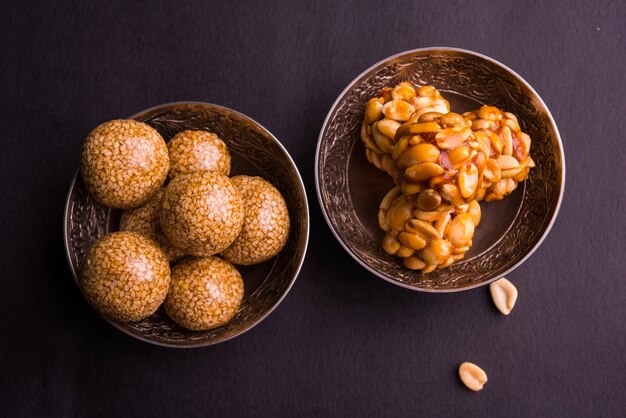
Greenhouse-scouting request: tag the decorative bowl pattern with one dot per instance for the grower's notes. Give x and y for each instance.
(254, 151)
(349, 189)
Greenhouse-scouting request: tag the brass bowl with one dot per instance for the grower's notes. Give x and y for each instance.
(254, 151)
(350, 189)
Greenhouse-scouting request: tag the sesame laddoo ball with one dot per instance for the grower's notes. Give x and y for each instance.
(125, 276)
(201, 212)
(123, 163)
(145, 221)
(196, 151)
(266, 223)
(205, 293)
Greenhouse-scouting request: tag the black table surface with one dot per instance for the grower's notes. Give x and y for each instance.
(343, 342)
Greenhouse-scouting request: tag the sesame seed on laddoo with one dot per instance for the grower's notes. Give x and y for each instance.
(266, 222)
(201, 212)
(123, 163)
(125, 276)
(198, 151)
(205, 293)
(145, 221)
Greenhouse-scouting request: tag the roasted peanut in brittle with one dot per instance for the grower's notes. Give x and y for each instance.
(443, 164)
(426, 234)
(508, 146)
(443, 153)
(393, 107)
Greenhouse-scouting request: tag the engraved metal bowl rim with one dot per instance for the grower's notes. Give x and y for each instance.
(409, 52)
(306, 222)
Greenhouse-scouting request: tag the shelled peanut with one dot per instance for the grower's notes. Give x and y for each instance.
(508, 146)
(384, 115)
(426, 233)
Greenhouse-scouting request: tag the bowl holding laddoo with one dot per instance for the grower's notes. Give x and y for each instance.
(188, 211)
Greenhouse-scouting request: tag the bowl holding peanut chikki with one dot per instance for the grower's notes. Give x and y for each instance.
(439, 169)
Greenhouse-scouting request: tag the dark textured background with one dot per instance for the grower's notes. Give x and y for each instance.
(343, 343)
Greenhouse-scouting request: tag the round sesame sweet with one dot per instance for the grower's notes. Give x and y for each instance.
(198, 150)
(145, 221)
(125, 276)
(201, 212)
(205, 293)
(123, 163)
(266, 223)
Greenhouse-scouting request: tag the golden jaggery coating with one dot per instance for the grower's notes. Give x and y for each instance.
(205, 293)
(443, 164)
(145, 221)
(196, 151)
(442, 152)
(437, 153)
(384, 115)
(266, 223)
(426, 236)
(201, 212)
(123, 163)
(508, 146)
(125, 276)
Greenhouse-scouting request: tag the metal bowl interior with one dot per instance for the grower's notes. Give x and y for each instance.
(254, 151)
(350, 189)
